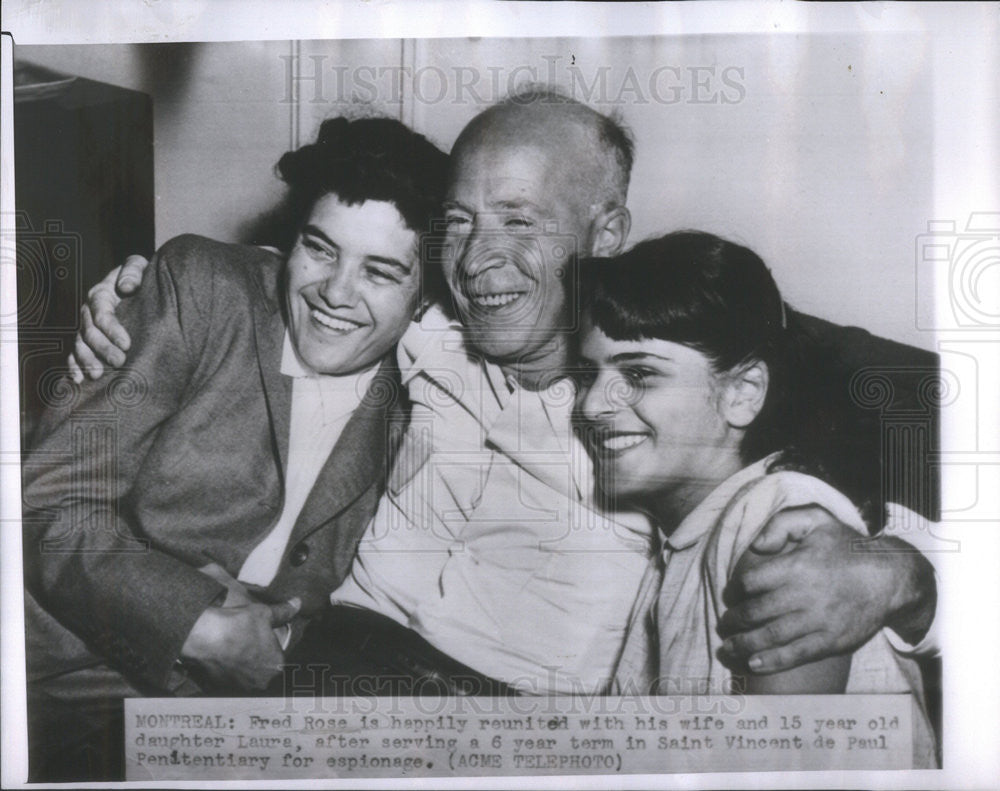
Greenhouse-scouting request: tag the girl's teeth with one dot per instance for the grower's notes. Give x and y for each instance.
(334, 324)
(496, 300)
(623, 442)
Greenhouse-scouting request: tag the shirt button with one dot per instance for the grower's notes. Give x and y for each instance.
(299, 554)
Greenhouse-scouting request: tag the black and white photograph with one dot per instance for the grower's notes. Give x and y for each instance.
(500, 393)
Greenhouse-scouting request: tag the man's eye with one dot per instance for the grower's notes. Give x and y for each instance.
(383, 275)
(584, 377)
(518, 222)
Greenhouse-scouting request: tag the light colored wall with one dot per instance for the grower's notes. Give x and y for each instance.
(219, 124)
(816, 150)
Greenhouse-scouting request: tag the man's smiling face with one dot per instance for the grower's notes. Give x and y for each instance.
(514, 227)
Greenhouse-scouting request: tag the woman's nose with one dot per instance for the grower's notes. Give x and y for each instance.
(340, 286)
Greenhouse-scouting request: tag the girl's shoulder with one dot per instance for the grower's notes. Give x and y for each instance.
(760, 498)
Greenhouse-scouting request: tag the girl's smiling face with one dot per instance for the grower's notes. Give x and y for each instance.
(659, 419)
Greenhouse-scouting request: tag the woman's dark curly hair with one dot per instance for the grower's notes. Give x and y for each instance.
(377, 159)
(719, 298)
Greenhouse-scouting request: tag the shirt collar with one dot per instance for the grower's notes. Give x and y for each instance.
(422, 341)
(707, 512)
(291, 365)
(437, 346)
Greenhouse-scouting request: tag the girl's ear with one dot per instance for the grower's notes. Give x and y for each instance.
(745, 391)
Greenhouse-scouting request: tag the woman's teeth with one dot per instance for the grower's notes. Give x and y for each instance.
(495, 300)
(341, 325)
(622, 441)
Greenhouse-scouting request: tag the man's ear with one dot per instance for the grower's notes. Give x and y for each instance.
(609, 231)
(422, 307)
(745, 391)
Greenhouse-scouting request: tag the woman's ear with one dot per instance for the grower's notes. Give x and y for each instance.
(609, 231)
(745, 392)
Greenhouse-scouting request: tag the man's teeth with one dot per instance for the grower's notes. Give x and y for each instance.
(341, 325)
(495, 300)
(623, 441)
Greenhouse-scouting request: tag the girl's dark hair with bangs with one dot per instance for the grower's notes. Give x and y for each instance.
(693, 288)
(699, 290)
(377, 159)
(718, 297)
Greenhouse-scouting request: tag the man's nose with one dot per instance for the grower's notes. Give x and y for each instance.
(478, 251)
(340, 286)
(486, 245)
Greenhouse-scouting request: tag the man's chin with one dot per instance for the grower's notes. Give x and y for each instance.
(499, 344)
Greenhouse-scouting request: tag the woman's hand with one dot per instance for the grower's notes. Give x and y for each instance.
(102, 339)
(237, 645)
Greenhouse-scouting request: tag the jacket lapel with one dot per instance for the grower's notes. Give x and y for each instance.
(269, 328)
(359, 459)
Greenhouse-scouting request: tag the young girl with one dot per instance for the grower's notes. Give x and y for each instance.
(684, 360)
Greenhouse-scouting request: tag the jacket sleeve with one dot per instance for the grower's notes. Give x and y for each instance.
(886, 395)
(865, 398)
(84, 558)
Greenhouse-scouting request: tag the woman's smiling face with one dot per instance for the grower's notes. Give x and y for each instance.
(353, 282)
(655, 416)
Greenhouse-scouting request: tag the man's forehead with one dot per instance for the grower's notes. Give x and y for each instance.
(510, 170)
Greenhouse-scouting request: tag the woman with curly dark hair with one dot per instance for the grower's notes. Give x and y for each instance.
(186, 517)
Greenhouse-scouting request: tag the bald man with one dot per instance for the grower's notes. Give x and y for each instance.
(489, 543)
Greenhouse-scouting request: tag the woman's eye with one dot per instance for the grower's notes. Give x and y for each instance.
(315, 249)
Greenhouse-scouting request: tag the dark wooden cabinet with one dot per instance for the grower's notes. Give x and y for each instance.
(84, 194)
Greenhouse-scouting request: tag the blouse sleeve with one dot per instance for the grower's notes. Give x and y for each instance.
(752, 508)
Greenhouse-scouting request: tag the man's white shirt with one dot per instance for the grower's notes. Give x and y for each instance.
(489, 542)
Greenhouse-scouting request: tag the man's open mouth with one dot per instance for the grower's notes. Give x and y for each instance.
(498, 300)
(334, 323)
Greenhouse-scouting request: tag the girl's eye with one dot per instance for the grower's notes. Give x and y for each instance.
(637, 376)
(455, 220)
